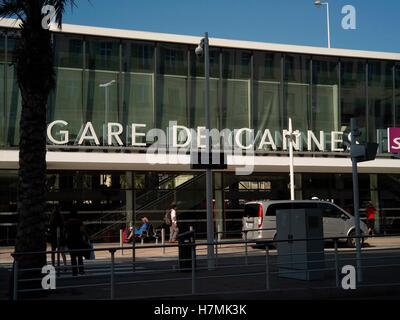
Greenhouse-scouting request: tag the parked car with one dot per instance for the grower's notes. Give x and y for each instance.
(259, 218)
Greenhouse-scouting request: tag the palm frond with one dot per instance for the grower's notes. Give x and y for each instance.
(10, 8)
(60, 6)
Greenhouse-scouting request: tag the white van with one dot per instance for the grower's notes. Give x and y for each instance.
(259, 218)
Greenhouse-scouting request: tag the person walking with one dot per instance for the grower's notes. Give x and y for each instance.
(76, 239)
(371, 212)
(57, 235)
(173, 228)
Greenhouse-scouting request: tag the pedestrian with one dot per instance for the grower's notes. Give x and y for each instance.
(371, 212)
(171, 219)
(57, 235)
(76, 239)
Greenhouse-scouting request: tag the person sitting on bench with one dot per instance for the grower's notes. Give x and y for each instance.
(138, 232)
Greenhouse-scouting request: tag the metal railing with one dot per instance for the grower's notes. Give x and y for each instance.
(234, 263)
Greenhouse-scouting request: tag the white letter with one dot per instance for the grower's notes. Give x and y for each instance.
(114, 134)
(175, 143)
(349, 281)
(397, 143)
(349, 21)
(238, 136)
(65, 133)
(311, 137)
(336, 137)
(92, 134)
(137, 134)
(270, 142)
(49, 280)
(201, 136)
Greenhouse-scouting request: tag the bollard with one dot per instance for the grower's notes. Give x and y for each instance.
(15, 280)
(336, 263)
(133, 255)
(193, 268)
(121, 241)
(163, 240)
(112, 282)
(58, 251)
(216, 252)
(267, 284)
(245, 248)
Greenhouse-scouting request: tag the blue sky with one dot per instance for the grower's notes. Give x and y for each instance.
(277, 21)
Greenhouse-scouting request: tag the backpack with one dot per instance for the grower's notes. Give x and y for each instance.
(168, 218)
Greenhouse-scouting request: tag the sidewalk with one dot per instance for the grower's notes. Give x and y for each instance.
(143, 252)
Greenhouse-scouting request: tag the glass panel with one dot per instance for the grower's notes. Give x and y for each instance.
(68, 52)
(137, 85)
(101, 102)
(325, 110)
(102, 54)
(68, 100)
(138, 57)
(13, 107)
(138, 102)
(197, 112)
(172, 100)
(3, 114)
(380, 91)
(397, 93)
(297, 91)
(236, 89)
(267, 110)
(353, 95)
(172, 86)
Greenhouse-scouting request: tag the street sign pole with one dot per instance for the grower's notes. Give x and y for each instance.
(354, 136)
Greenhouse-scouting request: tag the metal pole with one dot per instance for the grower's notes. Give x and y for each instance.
(267, 284)
(163, 240)
(15, 280)
(193, 269)
(209, 177)
(336, 264)
(354, 135)
(58, 250)
(112, 274)
(328, 21)
(291, 159)
(245, 247)
(121, 241)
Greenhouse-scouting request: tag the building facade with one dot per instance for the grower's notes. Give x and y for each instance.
(124, 84)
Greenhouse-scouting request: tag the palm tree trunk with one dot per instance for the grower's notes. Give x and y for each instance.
(35, 79)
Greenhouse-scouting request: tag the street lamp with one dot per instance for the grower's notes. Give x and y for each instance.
(319, 4)
(204, 50)
(291, 136)
(106, 86)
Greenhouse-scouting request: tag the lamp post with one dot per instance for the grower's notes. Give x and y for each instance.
(318, 3)
(106, 86)
(204, 50)
(291, 136)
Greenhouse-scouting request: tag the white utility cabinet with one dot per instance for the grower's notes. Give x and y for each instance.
(296, 259)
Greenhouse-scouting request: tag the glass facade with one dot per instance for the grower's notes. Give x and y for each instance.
(102, 80)
(153, 83)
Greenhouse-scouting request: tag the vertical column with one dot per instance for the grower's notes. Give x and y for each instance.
(298, 186)
(375, 200)
(219, 203)
(129, 198)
